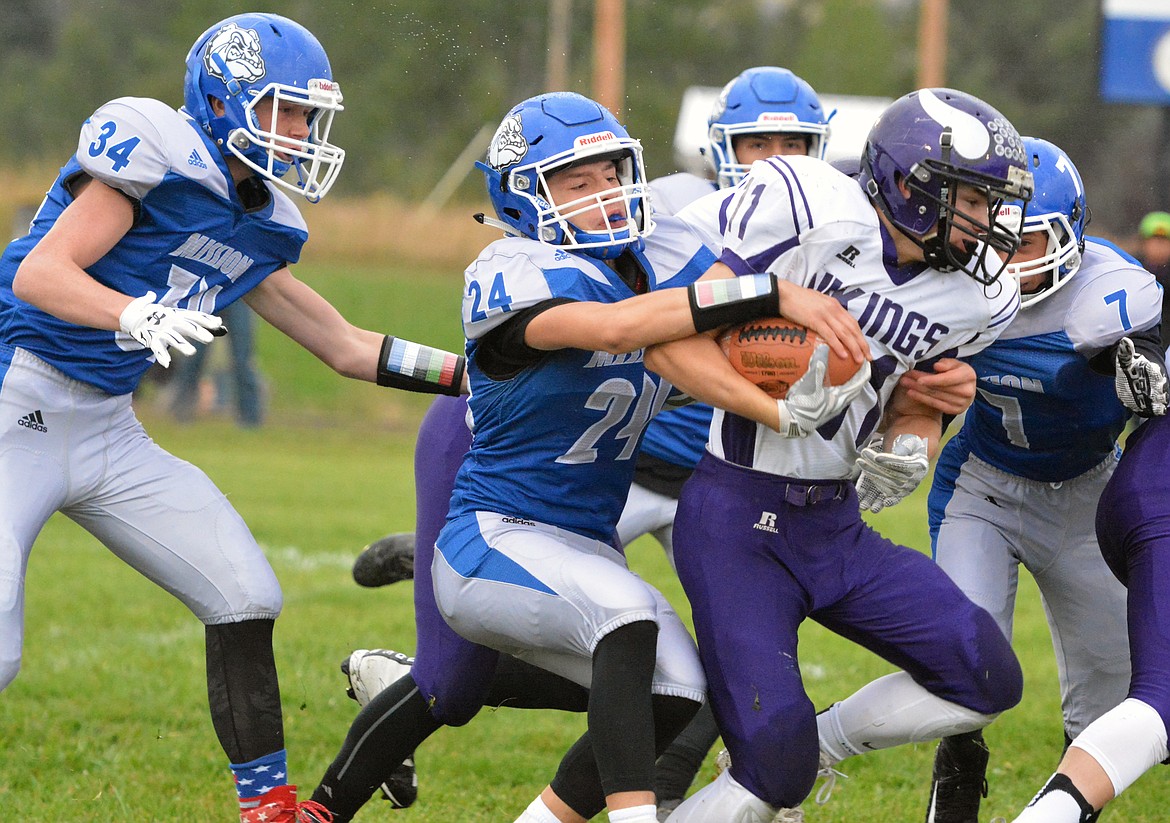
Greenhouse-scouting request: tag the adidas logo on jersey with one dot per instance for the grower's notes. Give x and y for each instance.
(34, 421)
(195, 160)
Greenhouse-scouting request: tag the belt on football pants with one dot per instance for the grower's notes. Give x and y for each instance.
(810, 494)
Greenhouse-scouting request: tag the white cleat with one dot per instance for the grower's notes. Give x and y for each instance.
(370, 672)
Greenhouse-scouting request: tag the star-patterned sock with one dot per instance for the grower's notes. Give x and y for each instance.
(259, 776)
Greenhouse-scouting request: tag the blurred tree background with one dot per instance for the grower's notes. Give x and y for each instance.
(422, 77)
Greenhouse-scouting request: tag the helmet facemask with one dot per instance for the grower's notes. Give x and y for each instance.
(731, 170)
(555, 221)
(1058, 216)
(261, 147)
(935, 184)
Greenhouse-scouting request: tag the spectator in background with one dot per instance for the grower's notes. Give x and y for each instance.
(1155, 254)
(244, 388)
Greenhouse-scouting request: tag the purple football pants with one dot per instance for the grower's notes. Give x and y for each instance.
(454, 674)
(1133, 528)
(757, 554)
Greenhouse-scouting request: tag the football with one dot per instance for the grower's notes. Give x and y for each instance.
(774, 353)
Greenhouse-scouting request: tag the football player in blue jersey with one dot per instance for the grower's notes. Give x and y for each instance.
(761, 112)
(1118, 746)
(528, 562)
(1019, 483)
(911, 250)
(158, 219)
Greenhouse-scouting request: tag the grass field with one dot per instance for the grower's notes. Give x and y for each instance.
(108, 719)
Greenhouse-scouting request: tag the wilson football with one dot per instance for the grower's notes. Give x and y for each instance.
(774, 353)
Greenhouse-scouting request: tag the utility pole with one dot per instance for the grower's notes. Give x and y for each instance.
(556, 72)
(932, 44)
(609, 53)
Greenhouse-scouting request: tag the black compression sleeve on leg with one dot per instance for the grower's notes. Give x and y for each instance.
(577, 782)
(384, 733)
(682, 759)
(242, 689)
(520, 685)
(621, 715)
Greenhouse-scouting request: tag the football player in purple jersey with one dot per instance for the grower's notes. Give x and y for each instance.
(1133, 528)
(158, 219)
(769, 532)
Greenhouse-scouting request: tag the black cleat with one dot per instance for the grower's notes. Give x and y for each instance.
(385, 561)
(959, 782)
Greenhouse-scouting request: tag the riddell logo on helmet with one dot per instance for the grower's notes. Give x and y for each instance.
(593, 139)
(777, 117)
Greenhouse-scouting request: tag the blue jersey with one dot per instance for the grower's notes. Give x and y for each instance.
(556, 442)
(193, 243)
(1041, 412)
(679, 436)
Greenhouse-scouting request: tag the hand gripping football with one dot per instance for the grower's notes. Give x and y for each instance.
(774, 353)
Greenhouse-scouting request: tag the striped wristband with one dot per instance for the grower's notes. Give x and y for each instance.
(418, 368)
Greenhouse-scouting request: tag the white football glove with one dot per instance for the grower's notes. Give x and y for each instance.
(810, 403)
(1140, 384)
(884, 478)
(162, 328)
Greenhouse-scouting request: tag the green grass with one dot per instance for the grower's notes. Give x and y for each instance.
(108, 718)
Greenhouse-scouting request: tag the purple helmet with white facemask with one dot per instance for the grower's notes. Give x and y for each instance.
(930, 142)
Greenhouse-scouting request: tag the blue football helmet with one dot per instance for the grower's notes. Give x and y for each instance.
(241, 61)
(1058, 209)
(549, 133)
(763, 100)
(931, 141)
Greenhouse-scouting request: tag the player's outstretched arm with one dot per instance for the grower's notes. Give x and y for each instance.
(308, 318)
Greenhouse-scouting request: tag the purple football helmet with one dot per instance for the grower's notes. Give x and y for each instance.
(932, 141)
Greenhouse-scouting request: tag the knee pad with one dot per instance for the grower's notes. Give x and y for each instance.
(1125, 742)
(890, 711)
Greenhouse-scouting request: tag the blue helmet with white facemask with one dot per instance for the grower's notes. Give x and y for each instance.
(1057, 209)
(550, 133)
(246, 59)
(763, 100)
